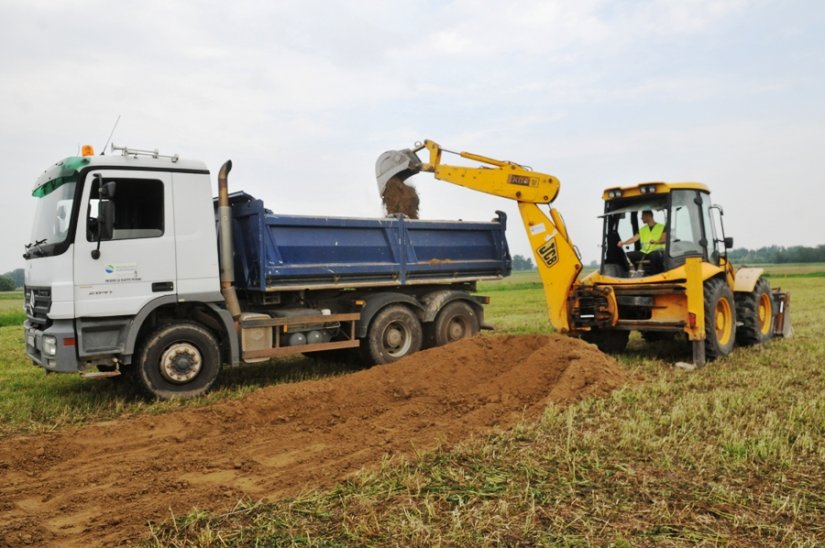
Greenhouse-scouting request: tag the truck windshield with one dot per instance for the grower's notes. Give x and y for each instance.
(51, 218)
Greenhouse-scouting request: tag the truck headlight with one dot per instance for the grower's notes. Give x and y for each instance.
(49, 345)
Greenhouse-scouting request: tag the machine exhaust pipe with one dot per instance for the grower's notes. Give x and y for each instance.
(226, 249)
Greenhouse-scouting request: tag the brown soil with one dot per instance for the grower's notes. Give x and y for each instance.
(102, 483)
(400, 197)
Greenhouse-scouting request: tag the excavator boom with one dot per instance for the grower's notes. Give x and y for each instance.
(556, 258)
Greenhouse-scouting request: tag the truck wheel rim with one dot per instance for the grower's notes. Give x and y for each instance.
(397, 339)
(457, 328)
(723, 321)
(764, 311)
(181, 363)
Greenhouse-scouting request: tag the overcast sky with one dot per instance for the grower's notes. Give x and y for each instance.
(304, 95)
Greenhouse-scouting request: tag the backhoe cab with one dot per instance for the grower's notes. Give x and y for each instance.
(673, 279)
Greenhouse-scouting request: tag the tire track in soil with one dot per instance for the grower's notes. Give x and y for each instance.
(102, 483)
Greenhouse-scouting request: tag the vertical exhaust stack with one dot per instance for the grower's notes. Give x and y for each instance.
(226, 248)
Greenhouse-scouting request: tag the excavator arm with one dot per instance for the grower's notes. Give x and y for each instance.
(557, 260)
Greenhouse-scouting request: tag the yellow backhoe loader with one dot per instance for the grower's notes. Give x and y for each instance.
(676, 279)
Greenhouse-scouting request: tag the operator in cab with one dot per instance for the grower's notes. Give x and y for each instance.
(653, 237)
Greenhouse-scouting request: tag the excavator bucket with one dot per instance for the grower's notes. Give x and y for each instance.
(782, 320)
(399, 164)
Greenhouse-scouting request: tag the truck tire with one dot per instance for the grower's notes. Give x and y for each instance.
(179, 360)
(458, 320)
(755, 311)
(394, 332)
(609, 341)
(720, 319)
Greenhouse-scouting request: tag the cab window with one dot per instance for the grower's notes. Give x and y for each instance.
(685, 233)
(138, 209)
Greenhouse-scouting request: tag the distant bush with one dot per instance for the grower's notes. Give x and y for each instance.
(779, 254)
(7, 284)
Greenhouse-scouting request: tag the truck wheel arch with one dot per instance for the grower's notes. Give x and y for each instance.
(221, 320)
(375, 303)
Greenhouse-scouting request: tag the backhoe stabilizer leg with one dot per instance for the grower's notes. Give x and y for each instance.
(699, 353)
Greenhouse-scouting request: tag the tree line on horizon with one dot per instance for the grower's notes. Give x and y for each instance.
(776, 254)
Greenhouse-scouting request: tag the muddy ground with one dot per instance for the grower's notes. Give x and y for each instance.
(102, 483)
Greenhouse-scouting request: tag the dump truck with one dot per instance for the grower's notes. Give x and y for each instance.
(134, 270)
(663, 279)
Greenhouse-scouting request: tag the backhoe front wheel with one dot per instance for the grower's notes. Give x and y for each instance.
(755, 311)
(720, 319)
(179, 360)
(394, 333)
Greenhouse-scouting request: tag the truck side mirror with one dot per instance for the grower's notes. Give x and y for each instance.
(105, 224)
(105, 220)
(729, 242)
(107, 190)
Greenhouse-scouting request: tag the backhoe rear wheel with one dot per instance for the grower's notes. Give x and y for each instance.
(755, 311)
(609, 341)
(720, 319)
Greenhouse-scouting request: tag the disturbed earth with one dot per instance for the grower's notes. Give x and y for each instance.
(103, 483)
(399, 197)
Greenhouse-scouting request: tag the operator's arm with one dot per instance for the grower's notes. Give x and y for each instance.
(629, 241)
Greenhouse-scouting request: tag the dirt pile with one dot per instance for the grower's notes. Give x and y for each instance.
(101, 483)
(400, 197)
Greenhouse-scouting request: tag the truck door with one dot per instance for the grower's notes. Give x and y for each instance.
(137, 263)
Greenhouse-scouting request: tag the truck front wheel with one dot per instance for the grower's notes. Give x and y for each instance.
(394, 332)
(178, 361)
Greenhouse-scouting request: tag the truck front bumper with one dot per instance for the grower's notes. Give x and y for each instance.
(53, 349)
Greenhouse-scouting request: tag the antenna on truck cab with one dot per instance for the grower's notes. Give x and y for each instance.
(103, 152)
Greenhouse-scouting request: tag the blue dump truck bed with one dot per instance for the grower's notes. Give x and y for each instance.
(276, 252)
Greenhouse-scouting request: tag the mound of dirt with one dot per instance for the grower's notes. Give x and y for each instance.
(101, 483)
(400, 197)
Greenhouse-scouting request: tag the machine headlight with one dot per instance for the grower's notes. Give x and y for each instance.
(49, 345)
(615, 193)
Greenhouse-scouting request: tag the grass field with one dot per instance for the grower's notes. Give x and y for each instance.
(732, 453)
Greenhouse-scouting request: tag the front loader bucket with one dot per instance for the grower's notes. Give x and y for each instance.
(782, 319)
(399, 164)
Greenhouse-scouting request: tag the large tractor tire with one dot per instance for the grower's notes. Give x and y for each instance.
(394, 333)
(755, 311)
(609, 341)
(720, 319)
(458, 320)
(179, 360)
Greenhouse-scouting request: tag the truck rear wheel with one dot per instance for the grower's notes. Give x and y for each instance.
(178, 361)
(755, 311)
(720, 319)
(394, 332)
(456, 321)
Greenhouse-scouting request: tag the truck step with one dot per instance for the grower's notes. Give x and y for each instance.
(100, 374)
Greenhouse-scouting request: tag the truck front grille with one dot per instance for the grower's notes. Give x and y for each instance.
(38, 302)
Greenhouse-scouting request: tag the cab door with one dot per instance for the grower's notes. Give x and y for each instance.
(136, 262)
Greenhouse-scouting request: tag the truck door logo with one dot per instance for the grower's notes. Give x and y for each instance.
(548, 253)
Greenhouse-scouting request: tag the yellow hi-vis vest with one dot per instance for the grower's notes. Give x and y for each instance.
(646, 234)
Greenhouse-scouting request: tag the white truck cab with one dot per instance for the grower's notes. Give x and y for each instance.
(87, 290)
